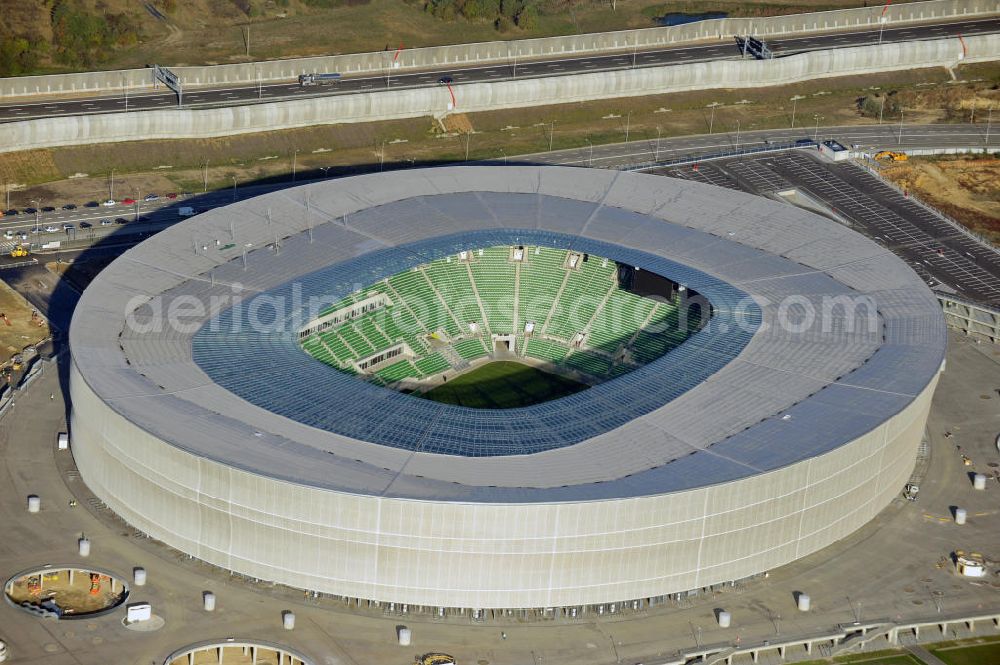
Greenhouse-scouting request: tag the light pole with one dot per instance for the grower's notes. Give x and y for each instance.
(260, 87)
(900, 138)
(816, 134)
(711, 121)
(628, 124)
(111, 186)
(381, 156)
(737, 136)
(795, 100)
(138, 197)
(552, 131)
(590, 160)
(295, 159)
(656, 151)
(125, 91)
(324, 169)
(6, 185)
(205, 176)
(468, 136)
(504, 156)
(234, 189)
(36, 204)
(989, 120)
(881, 109)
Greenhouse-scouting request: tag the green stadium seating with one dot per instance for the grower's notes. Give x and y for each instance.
(493, 274)
(543, 349)
(470, 349)
(561, 302)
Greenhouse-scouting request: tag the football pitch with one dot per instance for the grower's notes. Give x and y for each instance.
(503, 385)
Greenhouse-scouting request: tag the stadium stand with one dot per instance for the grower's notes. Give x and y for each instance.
(430, 309)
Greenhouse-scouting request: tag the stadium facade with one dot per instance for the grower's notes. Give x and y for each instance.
(783, 424)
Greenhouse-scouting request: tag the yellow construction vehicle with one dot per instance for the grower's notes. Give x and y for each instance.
(894, 156)
(19, 251)
(435, 659)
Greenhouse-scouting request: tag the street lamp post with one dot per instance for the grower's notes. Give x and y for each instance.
(36, 204)
(590, 160)
(552, 131)
(628, 124)
(711, 120)
(111, 186)
(989, 120)
(295, 159)
(795, 100)
(900, 138)
(816, 133)
(656, 151)
(881, 109)
(737, 136)
(234, 189)
(125, 91)
(205, 176)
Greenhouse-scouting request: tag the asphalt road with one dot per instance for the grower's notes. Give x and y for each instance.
(229, 96)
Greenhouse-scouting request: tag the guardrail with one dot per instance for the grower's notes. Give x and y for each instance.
(975, 319)
(507, 52)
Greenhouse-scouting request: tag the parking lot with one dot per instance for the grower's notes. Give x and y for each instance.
(948, 259)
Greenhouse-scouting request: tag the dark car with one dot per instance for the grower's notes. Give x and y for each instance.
(85, 225)
(91, 204)
(172, 195)
(121, 220)
(10, 212)
(30, 211)
(445, 80)
(48, 209)
(69, 206)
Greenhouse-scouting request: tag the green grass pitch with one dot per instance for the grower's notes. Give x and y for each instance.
(503, 385)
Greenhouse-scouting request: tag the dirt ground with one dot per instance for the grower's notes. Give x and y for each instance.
(965, 188)
(18, 329)
(83, 596)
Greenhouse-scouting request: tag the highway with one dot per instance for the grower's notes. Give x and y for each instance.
(230, 96)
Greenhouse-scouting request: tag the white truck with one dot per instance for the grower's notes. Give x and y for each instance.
(186, 211)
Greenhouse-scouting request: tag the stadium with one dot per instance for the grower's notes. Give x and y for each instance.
(515, 387)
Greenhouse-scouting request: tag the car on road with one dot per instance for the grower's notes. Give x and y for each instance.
(109, 203)
(121, 220)
(51, 229)
(85, 225)
(151, 197)
(35, 230)
(48, 209)
(128, 202)
(8, 234)
(445, 80)
(23, 236)
(68, 227)
(106, 222)
(172, 195)
(11, 212)
(69, 206)
(30, 211)
(91, 204)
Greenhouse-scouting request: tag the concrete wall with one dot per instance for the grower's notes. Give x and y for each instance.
(375, 106)
(460, 55)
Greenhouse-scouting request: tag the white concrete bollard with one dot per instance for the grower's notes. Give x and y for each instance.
(139, 576)
(803, 602)
(405, 636)
(84, 546)
(960, 516)
(34, 503)
(979, 481)
(725, 619)
(208, 601)
(288, 619)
